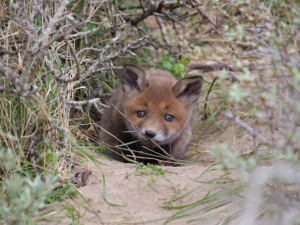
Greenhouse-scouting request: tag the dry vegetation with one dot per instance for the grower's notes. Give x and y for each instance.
(59, 64)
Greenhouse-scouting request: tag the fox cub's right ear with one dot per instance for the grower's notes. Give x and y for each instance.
(134, 79)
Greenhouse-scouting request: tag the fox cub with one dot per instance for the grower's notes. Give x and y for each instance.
(150, 108)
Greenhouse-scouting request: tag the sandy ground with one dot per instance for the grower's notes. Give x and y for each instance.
(142, 197)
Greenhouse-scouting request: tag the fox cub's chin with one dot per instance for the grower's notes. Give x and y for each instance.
(150, 106)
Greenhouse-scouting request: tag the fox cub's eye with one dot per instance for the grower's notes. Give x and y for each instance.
(169, 117)
(140, 114)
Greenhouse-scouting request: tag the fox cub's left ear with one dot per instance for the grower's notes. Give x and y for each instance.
(134, 79)
(188, 89)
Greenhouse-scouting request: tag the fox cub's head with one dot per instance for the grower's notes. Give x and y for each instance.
(157, 104)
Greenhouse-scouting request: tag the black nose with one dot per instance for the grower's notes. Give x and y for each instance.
(150, 134)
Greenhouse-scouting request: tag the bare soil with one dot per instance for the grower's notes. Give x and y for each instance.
(141, 197)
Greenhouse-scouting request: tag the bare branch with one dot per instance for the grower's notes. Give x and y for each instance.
(211, 67)
(37, 47)
(163, 30)
(252, 131)
(72, 50)
(155, 8)
(4, 51)
(103, 59)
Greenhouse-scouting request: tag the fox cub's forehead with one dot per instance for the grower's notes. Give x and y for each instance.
(159, 98)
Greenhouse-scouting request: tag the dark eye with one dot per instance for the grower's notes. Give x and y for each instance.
(141, 114)
(169, 117)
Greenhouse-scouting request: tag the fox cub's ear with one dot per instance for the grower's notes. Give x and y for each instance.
(188, 89)
(134, 79)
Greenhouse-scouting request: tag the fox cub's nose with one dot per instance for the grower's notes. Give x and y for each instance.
(150, 133)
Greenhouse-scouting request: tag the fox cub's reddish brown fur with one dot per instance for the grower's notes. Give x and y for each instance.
(154, 106)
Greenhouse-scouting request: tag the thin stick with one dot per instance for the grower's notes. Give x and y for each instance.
(212, 84)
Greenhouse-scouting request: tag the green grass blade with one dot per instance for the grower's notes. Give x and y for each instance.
(104, 194)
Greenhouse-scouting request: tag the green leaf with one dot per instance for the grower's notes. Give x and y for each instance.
(236, 93)
(167, 65)
(178, 68)
(185, 61)
(170, 59)
(90, 26)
